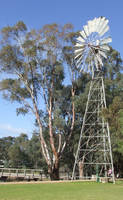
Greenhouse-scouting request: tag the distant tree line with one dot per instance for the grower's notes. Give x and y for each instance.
(43, 79)
(20, 152)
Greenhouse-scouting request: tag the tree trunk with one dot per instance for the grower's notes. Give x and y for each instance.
(81, 167)
(54, 172)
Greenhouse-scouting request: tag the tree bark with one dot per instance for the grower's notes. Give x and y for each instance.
(81, 167)
(54, 171)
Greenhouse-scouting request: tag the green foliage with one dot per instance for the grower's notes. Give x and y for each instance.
(22, 110)
(114, 115)
(21, 152)
(13, 91)
(113, 76)
(5, 144)
(34, 152)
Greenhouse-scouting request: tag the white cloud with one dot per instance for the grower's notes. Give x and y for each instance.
(11, 129)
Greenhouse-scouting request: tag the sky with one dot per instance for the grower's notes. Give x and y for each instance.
(35, 14)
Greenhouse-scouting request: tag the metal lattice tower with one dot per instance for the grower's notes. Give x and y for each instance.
(94, 148)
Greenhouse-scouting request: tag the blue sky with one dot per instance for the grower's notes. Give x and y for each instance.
(35, 14)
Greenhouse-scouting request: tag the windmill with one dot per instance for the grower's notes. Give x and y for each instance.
(94, 155)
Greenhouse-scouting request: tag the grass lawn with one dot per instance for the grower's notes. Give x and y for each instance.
(62, 191)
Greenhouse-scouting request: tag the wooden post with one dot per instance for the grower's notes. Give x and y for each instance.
(17, 172)
(2, 172)
(40, 175)
(24, 173)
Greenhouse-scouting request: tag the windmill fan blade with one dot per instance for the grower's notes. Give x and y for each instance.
(92, 27)
(94, 24)
(105, 47)
(78, 64)
(98, 23)
(103, 27)
(104, 31)
(86, 30)
(89, 25)
(79, 60)
(80, 39)
(78, 45)
(79, 54)
(85, 67)
(101, 21)
(78, 51)
(82, 47)
(92, 45)
(83, 34)
(106, 40)
(102, 54)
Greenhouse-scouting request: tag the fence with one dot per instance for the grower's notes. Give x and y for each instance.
(29, 174)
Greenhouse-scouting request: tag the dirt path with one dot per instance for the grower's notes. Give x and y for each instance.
(43, 182)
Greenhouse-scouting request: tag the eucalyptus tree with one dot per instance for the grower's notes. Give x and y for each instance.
(33, 64)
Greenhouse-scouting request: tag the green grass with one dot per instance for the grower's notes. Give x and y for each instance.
(62, 191)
